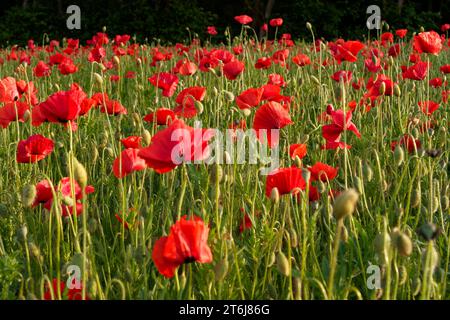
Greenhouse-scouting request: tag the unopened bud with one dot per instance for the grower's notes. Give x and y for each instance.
(28, 195)
(345, 204)
(283, 264)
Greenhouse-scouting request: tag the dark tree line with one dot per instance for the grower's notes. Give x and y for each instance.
(167, 20)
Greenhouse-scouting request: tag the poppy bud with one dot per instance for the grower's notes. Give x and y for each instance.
(386, 25)
(415, 198)
(98, 79)
(399, 155)
(3, 210)
(358, 183)
(110, 152)
(26, 115)
(306, 174)
(315, 80)
(445, 203)
(22, 233)
(116, 60)
(309, 26)
(434, 257)
(34, 250)
(296, 286)
(404, 245)
(422, 29)
(283, 264)
(345, 204)
(397, 91)
(229, 96)
(294, 238)
(344, 234)
(146, 136)
(221, 269)
(382, 88)
(275, 195)
(79, 173)
(321, 187)
(215, 92)
(391, 61)
(382, 244)
(298, 161)
(367, 172)
(246, 112)
(139, 61)
(28, 195)
(216, 173)
(198, 106)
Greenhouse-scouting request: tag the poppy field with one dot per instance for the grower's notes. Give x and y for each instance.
(109, 188)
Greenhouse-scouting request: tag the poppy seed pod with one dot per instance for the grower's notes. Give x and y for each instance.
(344, 205)
(28, 195)
(283, 264)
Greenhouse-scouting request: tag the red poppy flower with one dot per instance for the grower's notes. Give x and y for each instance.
(276, 79)
(332, 132)
(436, 82)
(133, 142)
(271, 115)
(12, 111)
(373, 64)
(128, 162)
(342, 75)
(415, 72)
(243, 19)
(401, 33)
(407, 141)
(41, 69)
(445, 27)
(445, 68)
(323, 172)
(8, 90)
(281, 56)
(186, 243)
(166, 81)
(113, 107)
(97, 54)
(428, 107)
(69, 294)
(387, 37)
(211, 30)
(175, 144)
(297, 150)
(428, 42)
(277, 22)
(286, 180)
(373, 86)
(232, 69)
(246, 223)
(271, 92)
(249, 98)
(34, 149)
(161, 116)
(345, 51)
(67, 67)
(301, 60)
(263, 63)
(63, 106)
(394, 50)
(43, 192)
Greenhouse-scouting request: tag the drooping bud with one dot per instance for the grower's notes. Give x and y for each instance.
(345, 204)
(275, 195)
(283, 264)
(146, 136)
(79, 172)
(28, 195)
(399, 155)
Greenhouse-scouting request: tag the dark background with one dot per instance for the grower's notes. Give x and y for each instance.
(167, 20)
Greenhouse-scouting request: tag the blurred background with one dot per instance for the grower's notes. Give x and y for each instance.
(167, 20)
